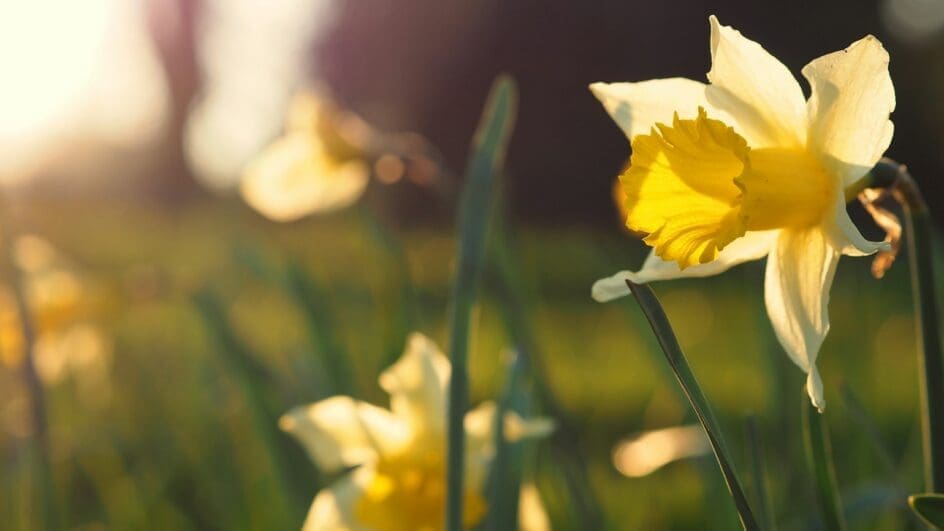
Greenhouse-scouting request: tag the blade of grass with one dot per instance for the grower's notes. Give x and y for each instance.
(311, 299)
(504, 482)
(894, 176)
(39, 452)
(820, 459)
(246, 371)
(510, 286)
(488, 153)
(929, 342)
(930, 507)
(673, 353)
(759, 472)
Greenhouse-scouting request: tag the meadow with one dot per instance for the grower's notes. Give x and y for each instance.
(202, 332)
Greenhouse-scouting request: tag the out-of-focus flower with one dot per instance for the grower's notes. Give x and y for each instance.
(62, 309)
(744, 167)
(647, 452)
(400, 453)
(253, 55)
(316, 166)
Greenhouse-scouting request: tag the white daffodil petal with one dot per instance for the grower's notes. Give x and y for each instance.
(851, 99)
(531, 513)
(751, 246)
(800, 271)
(339, 432)
(333, 508)
(479, 444)
(637, 107)
(846, 236)
(417, 386)
(756, 89)
(294, 177)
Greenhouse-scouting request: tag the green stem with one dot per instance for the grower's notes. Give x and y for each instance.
(247, 373)
(761, 496)
(488, 153)
(895, 177)
(683, 373)
(820, 458)
(509, 283)
(930, 365)
(40, 453)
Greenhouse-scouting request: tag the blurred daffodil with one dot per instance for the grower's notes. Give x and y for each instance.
(62, 309)
(744, 167)
(400, 453)
(316, 166)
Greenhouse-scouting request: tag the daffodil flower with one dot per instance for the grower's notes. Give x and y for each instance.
(745, 167)
(400, 453)
(312, 168)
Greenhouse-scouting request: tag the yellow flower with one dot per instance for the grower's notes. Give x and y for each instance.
(744, 167)
(314, 167)
(400, 454)
(60, 303)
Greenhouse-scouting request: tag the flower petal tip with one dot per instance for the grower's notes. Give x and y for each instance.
(610, 288)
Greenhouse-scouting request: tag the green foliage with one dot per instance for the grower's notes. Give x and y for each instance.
(819, 457)
(930, 507)
(485, 164)
(696, 398)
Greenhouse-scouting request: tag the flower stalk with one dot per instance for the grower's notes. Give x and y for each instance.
(40, 452)
(897, 182)
(488, 152)
(894, 176)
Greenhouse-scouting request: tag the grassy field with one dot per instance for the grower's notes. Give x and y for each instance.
(208, 348)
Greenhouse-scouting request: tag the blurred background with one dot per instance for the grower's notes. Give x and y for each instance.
(173, 323)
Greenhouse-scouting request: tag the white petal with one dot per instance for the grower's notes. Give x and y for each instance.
(531, 513)
(417, 386)
(333, 508)
(800, 271)
(294, 177)
(751, 246)
(479, 443)
(636, 107)
(845, 235)
(852, 96)
(517, 428)
(756, 89)
(340, 432)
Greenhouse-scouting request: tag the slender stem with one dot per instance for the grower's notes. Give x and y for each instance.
(820, 458)
(930, 365)
(485, 163)
(759, 471)
(683, 373)
(896, 178)
(41, 448)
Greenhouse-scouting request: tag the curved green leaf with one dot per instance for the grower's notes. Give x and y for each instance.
(673, 353)
(930, 507)
(488, 154)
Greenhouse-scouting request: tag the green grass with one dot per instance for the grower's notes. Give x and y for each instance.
(173, 444)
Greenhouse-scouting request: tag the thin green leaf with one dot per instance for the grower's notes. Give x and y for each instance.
(896, 178)
(673, 353)
(312, 300)
(504, 482)
(820, 460)
(759, 473)
(930, 507)
(510, 286)
(246, 371)
(488, 154)
(930, 363)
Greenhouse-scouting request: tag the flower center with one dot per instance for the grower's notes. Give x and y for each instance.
(408, 493)
(696, 186)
